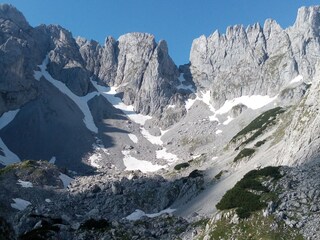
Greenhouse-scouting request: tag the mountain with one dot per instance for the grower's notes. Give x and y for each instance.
(117, 138)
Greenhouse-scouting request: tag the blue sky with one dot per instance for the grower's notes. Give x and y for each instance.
(176, 21)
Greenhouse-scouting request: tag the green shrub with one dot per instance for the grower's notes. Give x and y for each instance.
(195, 173)
(218, 176)
(181, 165)
(258, 125)
(259, 143)
(241, 195)
(246, 152)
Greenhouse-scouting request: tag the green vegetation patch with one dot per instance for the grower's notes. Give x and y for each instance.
(256, 227)
(258, 125)
(22, 165)
(249, 195)
(260, 143)
(181, 166)
(246, 152)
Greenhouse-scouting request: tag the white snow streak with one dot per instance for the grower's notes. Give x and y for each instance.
(253, 102)
(66, 180)
(132, 163)
(53, 160)
(7, 117)
(218, 131)
(153, 139)
(138, 214)
(226, 122)
(183, 86)
(133, 138)
(9, 157)
(20, 204)
(82, 102)
(25, 184)
(297, 79)
(109, 92)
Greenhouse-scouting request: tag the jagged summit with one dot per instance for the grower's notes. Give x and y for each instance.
(140, 139)
(9, 12)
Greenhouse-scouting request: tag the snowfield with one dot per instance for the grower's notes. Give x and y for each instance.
(183, 86)
(25, 184)
(109, 92)
(81, 102)
(133, 138)
(8, 157)
(297, 79)
(66, 180)
(132, 163)
(138, 214)
(20, 204)
(169, 157)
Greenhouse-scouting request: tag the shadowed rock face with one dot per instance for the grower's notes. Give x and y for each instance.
(118, 63)
(257, 59)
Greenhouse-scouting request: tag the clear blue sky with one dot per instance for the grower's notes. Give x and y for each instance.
(176, 21)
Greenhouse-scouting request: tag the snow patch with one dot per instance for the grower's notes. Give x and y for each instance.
(133, 138)
(132, 163)
(183, 86)
(297, 79)
(99, 153)
(20, 204)
(171, 106)
(226, 122)
(53, 160)
(9, 157)
(218, 131)
(66, 180)
(48, 200)
(82, 102)
(138, 214)
(153, 139)
(7, 117)
(25, 184)
(163, 154)
(109, 92)
(254, 102)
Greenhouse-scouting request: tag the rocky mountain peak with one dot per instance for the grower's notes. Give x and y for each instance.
(9, 12)
(308, 17)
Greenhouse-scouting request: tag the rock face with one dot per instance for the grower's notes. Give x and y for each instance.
(141, 68)
(256, 60)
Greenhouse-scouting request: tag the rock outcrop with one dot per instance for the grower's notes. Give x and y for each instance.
(258, 59)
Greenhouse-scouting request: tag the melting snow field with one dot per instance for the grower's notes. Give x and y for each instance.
(226, 122)
(99, 153)
(297, 79)
(182, 86)
(163, 154)
(20, 204)
(138, 214)
(52, 160)
(254, 102)
(82, 102)
(109, 92)
(153, 139)
(133, 138)
(25, 184)
(7, 117)
(132, 163)
(9, 157)
(66, 180)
